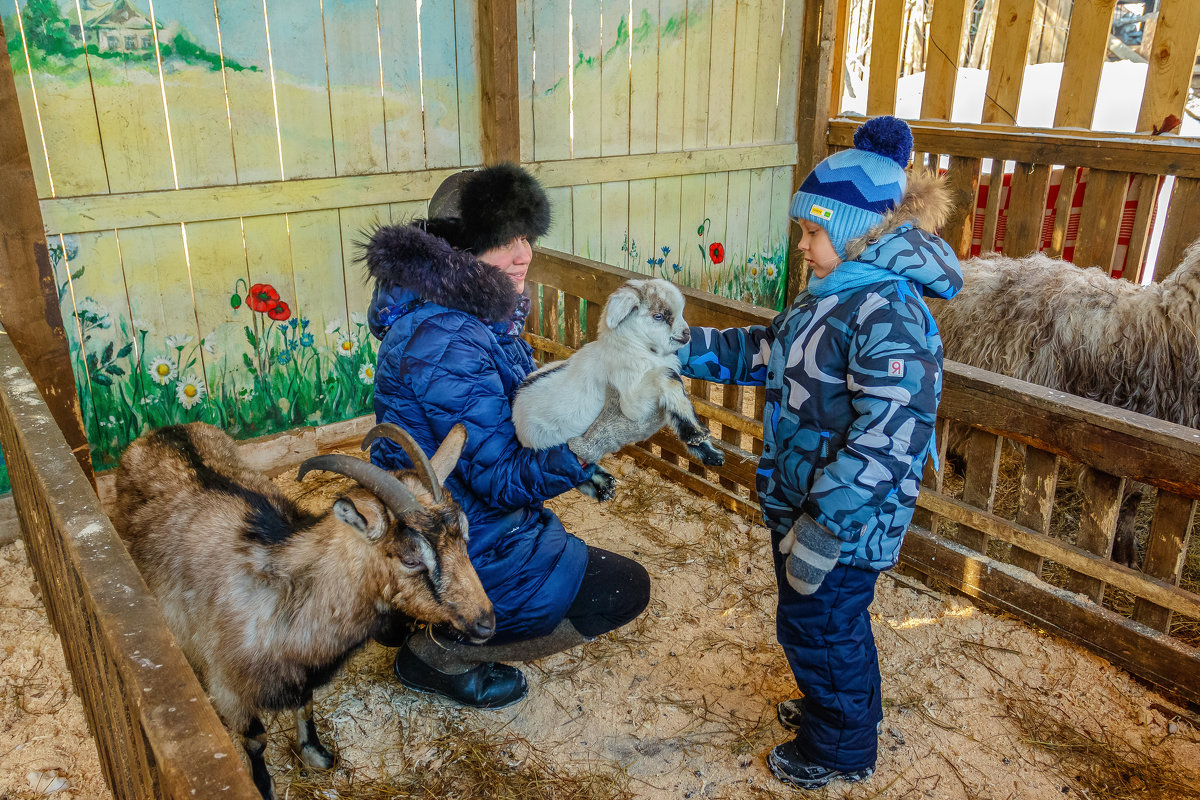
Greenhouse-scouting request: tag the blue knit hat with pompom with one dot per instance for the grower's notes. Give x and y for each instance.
(848, 193)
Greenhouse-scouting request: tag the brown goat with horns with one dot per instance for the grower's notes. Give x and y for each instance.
(266, 600)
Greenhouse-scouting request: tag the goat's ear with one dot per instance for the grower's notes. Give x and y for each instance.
(364, 513)
(447, 454)
(620, 305)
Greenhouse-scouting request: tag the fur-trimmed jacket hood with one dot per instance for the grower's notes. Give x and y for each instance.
(410, 264)
(904, 241)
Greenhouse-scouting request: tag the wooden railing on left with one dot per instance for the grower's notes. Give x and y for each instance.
(155, 731)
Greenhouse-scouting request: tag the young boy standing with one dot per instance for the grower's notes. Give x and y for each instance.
(853, 376)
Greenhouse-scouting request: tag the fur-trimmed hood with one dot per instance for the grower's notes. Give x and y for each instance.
(409, 263)
(926, 204)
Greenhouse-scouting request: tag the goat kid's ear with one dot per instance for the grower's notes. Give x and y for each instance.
(621, 304)
(446, 457)
(367, 516)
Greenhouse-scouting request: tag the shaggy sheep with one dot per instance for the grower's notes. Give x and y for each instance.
(266, 600)
(1080, 331)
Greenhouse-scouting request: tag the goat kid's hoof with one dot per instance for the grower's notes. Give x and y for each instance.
(601, 487)
(706, 453)
(316, 756)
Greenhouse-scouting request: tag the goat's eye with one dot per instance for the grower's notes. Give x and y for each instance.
(658, 317)
(412, 563)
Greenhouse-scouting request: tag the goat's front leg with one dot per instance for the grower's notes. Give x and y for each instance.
(312, 752)
(687, 426)
(254, 740)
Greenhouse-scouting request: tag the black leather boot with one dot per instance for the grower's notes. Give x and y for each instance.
(438, 664)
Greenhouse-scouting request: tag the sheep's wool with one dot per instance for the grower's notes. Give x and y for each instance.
(1049, 322)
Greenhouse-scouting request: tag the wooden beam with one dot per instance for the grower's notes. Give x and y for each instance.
(139, 209)
(941, 65)
(1087, 44)
(1078, 559)
(1010, 50)
(1171, 63)
(1112, 439)
(1127, 644)
(29, 310)
(887, 32)
(1158, 155)
(500, 113)
(812, 113)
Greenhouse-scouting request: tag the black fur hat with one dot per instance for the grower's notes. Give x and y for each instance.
(476, 210)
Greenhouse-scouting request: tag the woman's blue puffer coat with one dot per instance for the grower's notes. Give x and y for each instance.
(444, 359)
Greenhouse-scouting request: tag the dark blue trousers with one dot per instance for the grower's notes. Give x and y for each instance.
(827, 639)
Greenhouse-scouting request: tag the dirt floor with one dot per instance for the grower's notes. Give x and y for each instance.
(681, 703)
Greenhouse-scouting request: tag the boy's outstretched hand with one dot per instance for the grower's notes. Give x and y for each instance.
(811, 552)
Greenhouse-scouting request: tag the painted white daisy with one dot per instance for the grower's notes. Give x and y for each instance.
(367, 374)
(357, 318)
(346, 346)
(754, 270)
(178, 342)
(92, 313)
(142, 325)
(208, 344)
(333, 327)
(770, 270)
(189, 392)
(162, 371)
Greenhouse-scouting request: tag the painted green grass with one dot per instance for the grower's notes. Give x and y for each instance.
(131, 380)
(758, 278)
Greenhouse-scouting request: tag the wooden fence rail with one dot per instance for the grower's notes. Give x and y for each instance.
(156, 734)
(962, 540)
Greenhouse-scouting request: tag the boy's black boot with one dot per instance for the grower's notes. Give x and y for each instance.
(426, 665)
(793, 768)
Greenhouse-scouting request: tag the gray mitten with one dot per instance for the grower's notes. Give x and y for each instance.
(612, 430)
(811, 552)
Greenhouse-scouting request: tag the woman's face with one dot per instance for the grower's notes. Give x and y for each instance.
(817, 249)
(512, 259)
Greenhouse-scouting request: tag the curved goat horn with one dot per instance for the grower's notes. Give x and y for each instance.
(393, 432)
(383, 484)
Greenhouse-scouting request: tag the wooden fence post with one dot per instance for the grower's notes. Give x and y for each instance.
(812, 111)
(500, 113)
(29, 309)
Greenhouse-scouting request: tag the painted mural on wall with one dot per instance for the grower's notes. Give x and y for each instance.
(256, 323)
(759, 277)
(132, 375)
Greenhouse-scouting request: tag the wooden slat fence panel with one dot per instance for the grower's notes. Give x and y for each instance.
(154, 741)
(1116, 445)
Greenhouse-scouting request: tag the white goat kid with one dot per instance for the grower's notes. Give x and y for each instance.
(634, 356)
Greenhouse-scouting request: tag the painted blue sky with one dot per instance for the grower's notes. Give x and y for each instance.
(298, 35)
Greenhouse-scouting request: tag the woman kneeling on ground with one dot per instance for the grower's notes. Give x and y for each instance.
(449, 312)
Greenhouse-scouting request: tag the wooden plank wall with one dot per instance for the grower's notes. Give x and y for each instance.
(1006, 556)
(249, 146)
(668, 80)
(228, 152)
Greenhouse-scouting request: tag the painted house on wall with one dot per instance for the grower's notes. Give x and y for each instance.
(116, 27)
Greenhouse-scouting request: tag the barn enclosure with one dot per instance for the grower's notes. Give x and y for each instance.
(184, 187)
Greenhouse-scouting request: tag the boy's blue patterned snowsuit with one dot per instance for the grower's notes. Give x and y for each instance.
(853, 381)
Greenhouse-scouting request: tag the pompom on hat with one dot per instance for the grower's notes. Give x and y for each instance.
(476, 210)
(848, 193)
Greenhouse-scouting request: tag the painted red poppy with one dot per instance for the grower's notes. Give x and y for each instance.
(716, 251)
(262, 298)
(279, 311)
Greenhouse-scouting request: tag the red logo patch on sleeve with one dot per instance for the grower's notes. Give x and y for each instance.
(896, 368)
